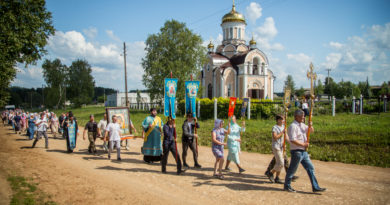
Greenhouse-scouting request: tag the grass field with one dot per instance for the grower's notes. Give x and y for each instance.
(357, 139)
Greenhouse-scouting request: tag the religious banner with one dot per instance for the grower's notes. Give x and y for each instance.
(232, 105)
(191, 93)
(170, 85)
(72, 135)
(122, 118)
(244, 106)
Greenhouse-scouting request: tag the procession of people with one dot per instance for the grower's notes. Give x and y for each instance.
(160, 140)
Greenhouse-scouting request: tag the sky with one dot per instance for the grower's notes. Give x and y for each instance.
(350, 37)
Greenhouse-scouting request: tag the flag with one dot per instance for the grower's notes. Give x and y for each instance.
(232, 105)
(192, 88)
(244, 106)
(170, 85)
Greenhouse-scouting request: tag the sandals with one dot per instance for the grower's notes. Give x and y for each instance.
(219, 176)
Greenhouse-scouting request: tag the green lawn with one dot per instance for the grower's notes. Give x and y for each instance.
(357, 139)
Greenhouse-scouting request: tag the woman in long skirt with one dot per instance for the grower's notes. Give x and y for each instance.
(218, 136)
(31, 127)
(234, 142)
(54, 125)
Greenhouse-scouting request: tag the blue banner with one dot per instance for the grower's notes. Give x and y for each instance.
(192, 88)
(72, 135)
(170, 85)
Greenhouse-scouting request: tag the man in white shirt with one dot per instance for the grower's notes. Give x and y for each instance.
(102, 131)
(298, 145)
(114, 130)
(41, 130)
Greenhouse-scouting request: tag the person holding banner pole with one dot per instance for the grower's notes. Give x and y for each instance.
(169, 145)
(189, 140)
(233, 143)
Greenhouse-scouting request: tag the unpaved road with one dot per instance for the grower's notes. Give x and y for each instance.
(82, 178)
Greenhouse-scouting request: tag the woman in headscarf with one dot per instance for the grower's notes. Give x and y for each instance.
(218, 136)
(24, 122)
(234, 142)
(31, 127)
(54, 125)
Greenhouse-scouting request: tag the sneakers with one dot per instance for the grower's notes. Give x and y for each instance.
(127, 148)
(319, 190)
(241, 170)
(109, 157)
(185, 165)
(278, 181)
(271, 177)
(228, 169)
(289, 189)
(119, 159)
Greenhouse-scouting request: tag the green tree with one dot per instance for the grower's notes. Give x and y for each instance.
(300, 92)
(290, 83)
(385, 89)
(175, 48)
(319, 89)
(81, 83)
(330, 86)
(55, 75)
(25, 26)
(365, 88)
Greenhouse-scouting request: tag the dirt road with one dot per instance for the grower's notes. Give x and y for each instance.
(82, 178)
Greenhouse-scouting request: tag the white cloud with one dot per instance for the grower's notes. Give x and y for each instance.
(268, 29)
(105, 59)
(301, 58)
(112, 35)
(91, 32)
(265, 34)
(253, 12)
(336, 45)
(362, 56)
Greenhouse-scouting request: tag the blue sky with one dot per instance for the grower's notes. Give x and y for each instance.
(352, 37)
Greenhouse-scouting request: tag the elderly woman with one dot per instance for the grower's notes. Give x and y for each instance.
(54, 124)
(233, 142)
(218, 136)
(31, 127)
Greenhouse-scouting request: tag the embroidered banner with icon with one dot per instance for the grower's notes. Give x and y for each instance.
(192, 88)
(170, 85)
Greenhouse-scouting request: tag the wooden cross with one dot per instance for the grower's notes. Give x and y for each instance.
(312, 76)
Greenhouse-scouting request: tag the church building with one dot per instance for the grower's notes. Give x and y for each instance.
(235, 69)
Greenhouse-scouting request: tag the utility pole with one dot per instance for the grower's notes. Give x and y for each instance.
(31, 100)
(43, 97)
(328, 73)
(124, 56)
(104, 96)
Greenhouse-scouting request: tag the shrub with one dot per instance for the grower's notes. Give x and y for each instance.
(259, 108)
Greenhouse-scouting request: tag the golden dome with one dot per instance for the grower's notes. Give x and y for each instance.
(252, 42)
(211, 45)
(233, 16)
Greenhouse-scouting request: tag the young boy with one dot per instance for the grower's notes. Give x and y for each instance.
(278, 131)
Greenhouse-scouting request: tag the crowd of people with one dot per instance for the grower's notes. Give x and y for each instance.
(160, 140)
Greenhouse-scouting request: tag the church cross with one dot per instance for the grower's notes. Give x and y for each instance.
(312, 76)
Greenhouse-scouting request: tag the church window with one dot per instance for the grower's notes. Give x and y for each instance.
(208, 67)
(235, 33)
(239, 33)
(229, 90)
(231, 33)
